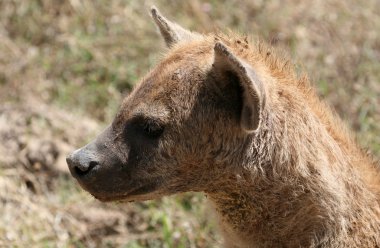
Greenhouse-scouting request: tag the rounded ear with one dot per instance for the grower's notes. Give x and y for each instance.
(170, 31)
(252, 89)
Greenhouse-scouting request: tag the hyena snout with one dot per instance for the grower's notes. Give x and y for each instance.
(111, 166)
(96, 165)
(90, 159)
(81, 162)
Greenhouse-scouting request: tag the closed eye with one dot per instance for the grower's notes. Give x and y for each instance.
(152, 129)
(146, 127)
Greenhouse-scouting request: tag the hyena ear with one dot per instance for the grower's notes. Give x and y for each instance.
(252, 93)
(172, 32)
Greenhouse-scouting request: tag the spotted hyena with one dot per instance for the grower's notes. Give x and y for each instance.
(226, 116)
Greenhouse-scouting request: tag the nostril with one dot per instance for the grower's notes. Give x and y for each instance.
(82, 170)
(92, 165)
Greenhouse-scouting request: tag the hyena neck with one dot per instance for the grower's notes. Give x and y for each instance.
(278, 211)
(268, 212)
(295, 199)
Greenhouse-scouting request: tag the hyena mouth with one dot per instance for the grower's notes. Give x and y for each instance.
(145, 189)
(132, 195)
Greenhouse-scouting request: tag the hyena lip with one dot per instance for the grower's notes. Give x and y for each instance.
(135, 194)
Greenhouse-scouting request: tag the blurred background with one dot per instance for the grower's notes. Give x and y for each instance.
(65, 65)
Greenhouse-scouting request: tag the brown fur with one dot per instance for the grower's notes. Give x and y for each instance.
(298, 180)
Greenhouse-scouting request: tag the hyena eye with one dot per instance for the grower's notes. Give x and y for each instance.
(151, 129)
(143, 126)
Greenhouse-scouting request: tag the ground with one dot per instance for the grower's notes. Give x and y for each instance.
(65, 66)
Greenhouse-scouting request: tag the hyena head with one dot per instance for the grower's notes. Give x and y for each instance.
(181, 128)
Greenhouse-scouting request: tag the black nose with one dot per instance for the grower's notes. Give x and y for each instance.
(80, 164)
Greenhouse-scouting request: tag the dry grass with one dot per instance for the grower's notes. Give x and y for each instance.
(64, 64)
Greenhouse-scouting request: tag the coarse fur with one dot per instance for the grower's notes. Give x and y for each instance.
(237, 123)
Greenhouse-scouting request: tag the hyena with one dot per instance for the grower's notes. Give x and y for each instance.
(226, 116)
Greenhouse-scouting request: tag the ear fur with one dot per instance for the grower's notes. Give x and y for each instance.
(253, 93)
(170, 31)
